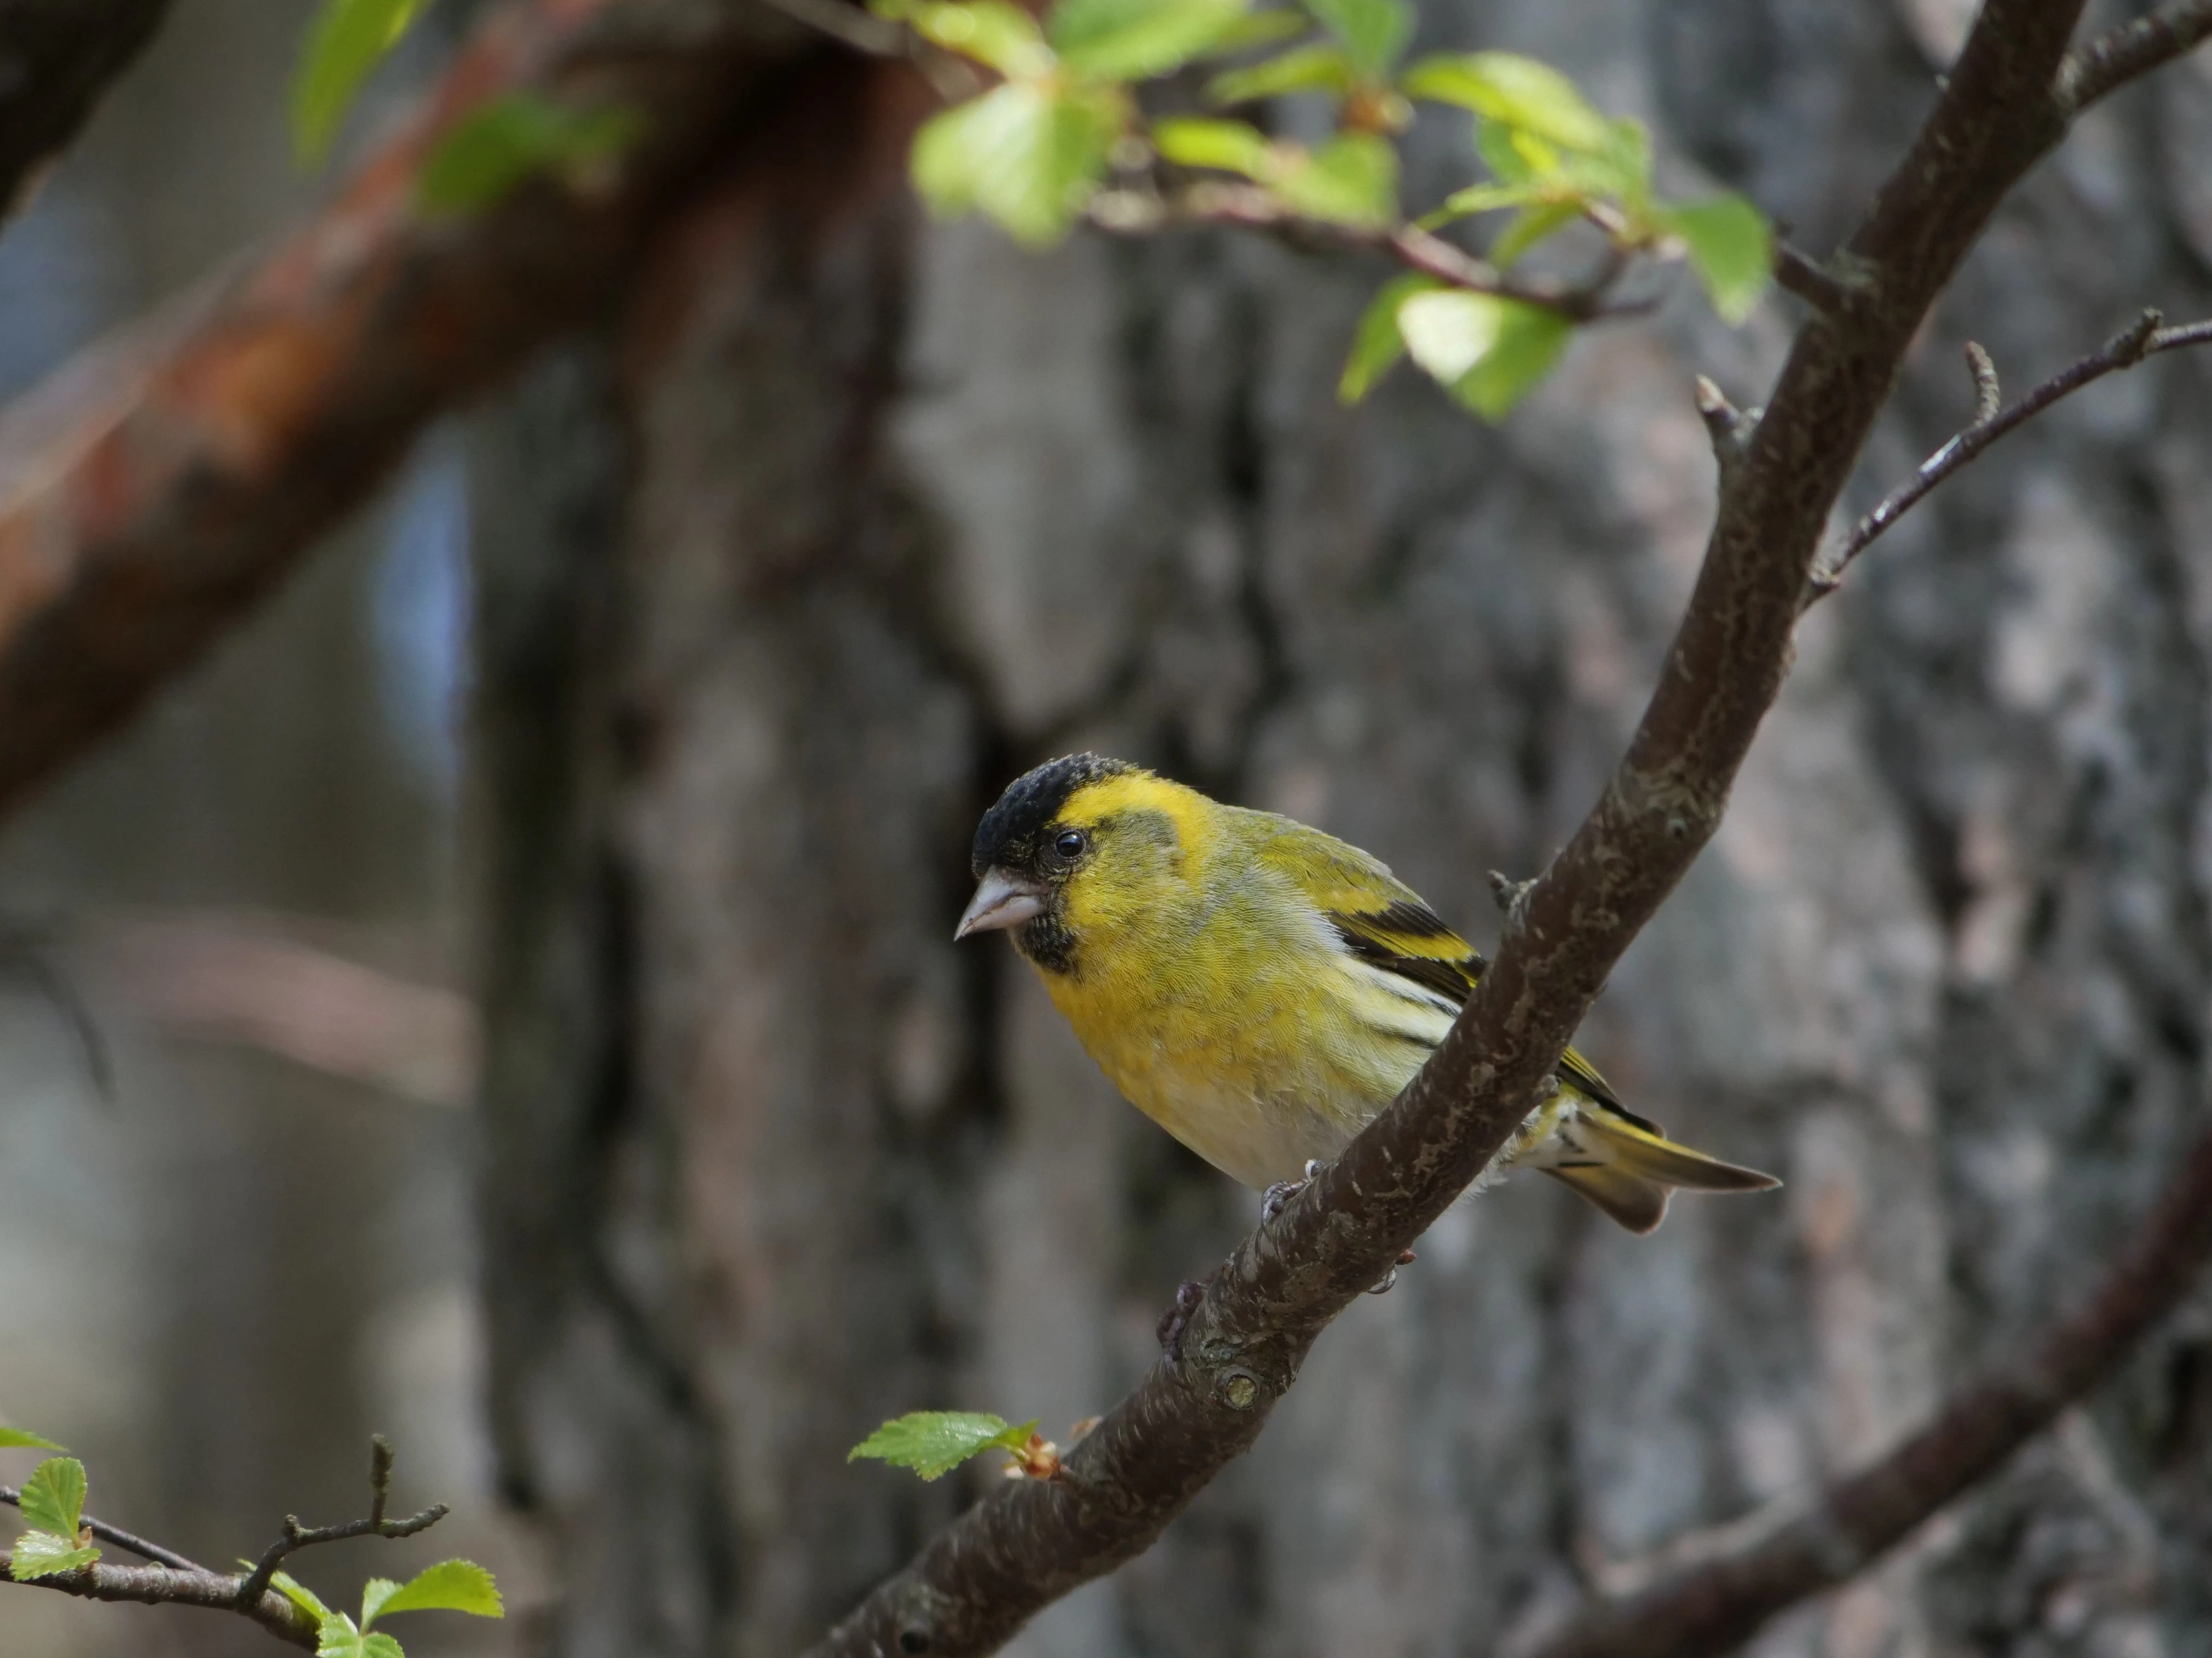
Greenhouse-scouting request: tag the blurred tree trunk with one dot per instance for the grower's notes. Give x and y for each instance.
(852, 518)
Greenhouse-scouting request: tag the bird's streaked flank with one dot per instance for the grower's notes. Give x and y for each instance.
(1263, 990)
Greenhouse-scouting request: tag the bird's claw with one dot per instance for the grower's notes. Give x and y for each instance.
(1273, 1200)
(1405, 1258)
(1176, 1319)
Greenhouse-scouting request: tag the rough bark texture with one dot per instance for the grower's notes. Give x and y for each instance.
(902, 509)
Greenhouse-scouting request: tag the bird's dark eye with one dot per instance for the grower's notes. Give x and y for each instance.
(1069, 844)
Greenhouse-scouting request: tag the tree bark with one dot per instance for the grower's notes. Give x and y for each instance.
(900, 509)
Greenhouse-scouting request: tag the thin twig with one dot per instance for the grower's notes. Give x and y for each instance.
(1511, 895)
(863, 31)
(1710, 1607)
(2131, 50)
(164, 1586)
(2123, 350)
(172, 1580)
(1730, 429)
(1126, 211)
(297, 1537)
(1798, 272)
(115, 1534)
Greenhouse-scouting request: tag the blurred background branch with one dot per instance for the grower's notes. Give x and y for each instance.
(1808, 1546)
(161, 485)
(57, 58)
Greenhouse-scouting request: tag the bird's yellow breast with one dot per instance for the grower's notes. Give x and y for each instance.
(1215, 995)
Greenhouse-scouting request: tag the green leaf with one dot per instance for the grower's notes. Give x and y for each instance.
(943, 162)
(512, 139)
(1478, 199)
(24, 1439)
(373, 1593)
(1516, 157)
(42, 1554)
(1374, 31)
(1517, 91)
(1229, 146)
(1255, 29)
(1731, 247)
(54, 1497)
(52, 1502)
(1623, 163)
(343, 1638)
(449, 1586)
(347, 40)
(934, 1442)
(1529, 345)
(1488, 352)
(1529, 227)
(1352, 179)
(992, 32)
(1376, 343)
(1133, 39)
(1315, 68)
(1025, 154)
(298, 1593)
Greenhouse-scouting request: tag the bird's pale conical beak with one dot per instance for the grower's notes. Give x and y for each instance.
(1001, 901)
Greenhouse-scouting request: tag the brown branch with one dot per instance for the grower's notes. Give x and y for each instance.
(13, 1497)
(150, 495)
(1126, 212)
(1024, 1546)
(1712, 1607)
(250, 980)
(176, 1581)
(160, 1586)
(2123, 350)
(60, 56)
(296, 1536)
(2132, 50)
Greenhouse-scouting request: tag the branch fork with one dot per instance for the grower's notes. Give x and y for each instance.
(174, 1580)
(2146, 337)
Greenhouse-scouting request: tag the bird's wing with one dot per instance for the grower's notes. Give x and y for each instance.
(1384, 921)
(1381, 918)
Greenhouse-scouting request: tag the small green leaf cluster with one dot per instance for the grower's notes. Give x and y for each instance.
(935, 1442)
(449, 1586)
(1554, 160)
(1063, 133)
(52, 1505)
(491, 150)
(1065, 125)
(57, 1541)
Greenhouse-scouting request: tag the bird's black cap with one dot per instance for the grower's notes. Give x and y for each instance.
(1007, 836)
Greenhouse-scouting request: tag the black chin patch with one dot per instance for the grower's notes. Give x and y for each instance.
(1046, 940)
(1009, 837)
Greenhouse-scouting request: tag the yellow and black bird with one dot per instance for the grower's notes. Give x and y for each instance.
(1261, 990)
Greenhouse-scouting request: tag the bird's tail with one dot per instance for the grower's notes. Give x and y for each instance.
(1628, 1171)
